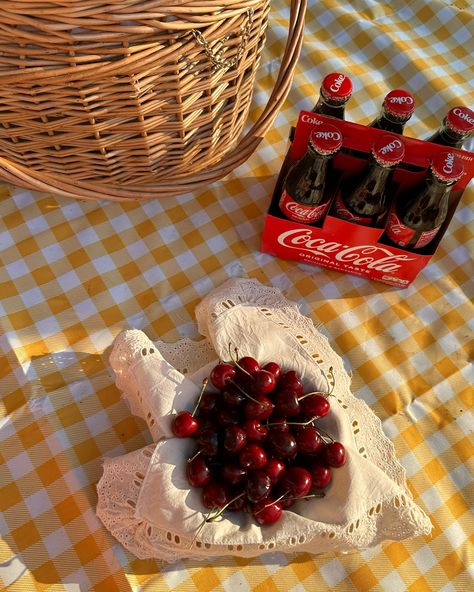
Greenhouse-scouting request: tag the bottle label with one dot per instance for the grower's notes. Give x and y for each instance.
(402, 235)
(343, 212)
(301, 212)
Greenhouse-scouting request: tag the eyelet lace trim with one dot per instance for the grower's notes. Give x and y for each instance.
(396, 517)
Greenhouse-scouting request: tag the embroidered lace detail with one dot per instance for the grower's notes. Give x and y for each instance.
(143, 497)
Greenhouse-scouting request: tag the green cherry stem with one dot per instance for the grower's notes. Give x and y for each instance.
(273, 502)
(298, 423)
(203, 388)
(219, 512)
(247, 395)
(201, 526)
(235, 360)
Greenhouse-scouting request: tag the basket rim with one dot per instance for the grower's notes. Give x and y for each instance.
(18, 174)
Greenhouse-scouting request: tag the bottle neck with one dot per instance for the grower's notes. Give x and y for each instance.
(428, 207)
(448, 137)
(331, 108)
(387, 122)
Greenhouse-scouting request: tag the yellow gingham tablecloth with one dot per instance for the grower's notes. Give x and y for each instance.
(75, 273)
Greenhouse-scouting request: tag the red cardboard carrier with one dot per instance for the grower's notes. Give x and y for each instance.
(345, 246)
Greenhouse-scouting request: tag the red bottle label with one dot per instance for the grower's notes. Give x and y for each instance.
(343, 212)
(301, 212)
(401, 234)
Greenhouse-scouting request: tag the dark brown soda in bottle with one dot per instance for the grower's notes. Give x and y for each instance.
(457, 127)
(417, 214)
(335, 91)
(305, 197)
(364, 201)
(397, 108)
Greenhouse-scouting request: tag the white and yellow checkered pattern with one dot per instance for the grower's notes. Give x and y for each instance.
(74, 274)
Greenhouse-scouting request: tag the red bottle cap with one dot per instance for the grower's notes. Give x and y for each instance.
(461, 120)
(447, 167)
(388, 150)
(399, 103)
(326, 139)
(337, 87)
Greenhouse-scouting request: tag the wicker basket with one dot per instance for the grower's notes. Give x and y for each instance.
(133, 99)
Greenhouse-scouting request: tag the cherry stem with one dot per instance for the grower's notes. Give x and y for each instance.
(203, 388)
(325, 434)
(248, 396)
(273, 502)
(331, 374)
(317, 494)
(300, 423)
(235, 360)
(329, 394)
(212, 518)
(195, 456)
(202, 525)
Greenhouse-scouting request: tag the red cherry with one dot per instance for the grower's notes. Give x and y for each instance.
(335, 454)
(259, 486)
(255, 431)
(264, 383)
(267, 511)
(258, 410)
(249, 365)
(291, 380)
(221, 374)
(280, 423)
(198, 471)
(215, 495)
(233, 473)
(237, 504)
(234, 439)
(207, 440)
(252, 457)
(274, 469)
(297, 481)
(208, 402)
(320, 476)
(286, 403)
(309, 440)
(184, 425)
(233, 398)
(228, 416)
(274, 368)
(282, 444)
(314, 405)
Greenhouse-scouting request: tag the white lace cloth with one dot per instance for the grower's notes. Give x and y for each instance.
(144, 498)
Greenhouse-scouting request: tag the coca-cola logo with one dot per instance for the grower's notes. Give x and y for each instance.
(448, 163)
(336, 85)
(401, 100)
(328, 135)
(368, 256)
(308, 119)
(463, 115)
(393, 145)
(295, 208)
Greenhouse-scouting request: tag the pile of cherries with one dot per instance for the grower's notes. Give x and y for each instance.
(258, 446)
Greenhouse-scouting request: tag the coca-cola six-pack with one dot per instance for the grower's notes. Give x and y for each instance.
(367, 200)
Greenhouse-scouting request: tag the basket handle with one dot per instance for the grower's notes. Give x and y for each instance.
(18, 174)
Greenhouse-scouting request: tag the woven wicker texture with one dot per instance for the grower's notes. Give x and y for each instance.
(130, 99)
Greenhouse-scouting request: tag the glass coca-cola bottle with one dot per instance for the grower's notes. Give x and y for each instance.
(457, 126)
(335, 91)
(305, 197)
(397, 108)
(364, 201)
(417, 214)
